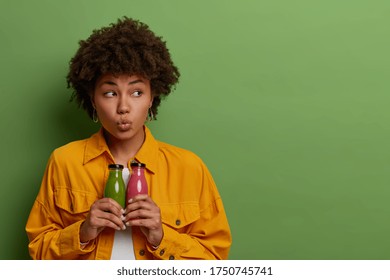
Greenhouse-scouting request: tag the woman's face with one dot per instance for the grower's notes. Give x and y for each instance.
(122, 103)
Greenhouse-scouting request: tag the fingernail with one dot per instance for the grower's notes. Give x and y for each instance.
(130, 200)
(123, 218)
(127, 224)
(124, 227)
(123, 211)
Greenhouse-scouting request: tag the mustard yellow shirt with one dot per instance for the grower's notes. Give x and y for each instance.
(194, 220)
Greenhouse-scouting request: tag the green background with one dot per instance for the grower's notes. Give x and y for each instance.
(287, 102)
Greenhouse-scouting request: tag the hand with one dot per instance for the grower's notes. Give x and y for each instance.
(143, 212)
(105, 212)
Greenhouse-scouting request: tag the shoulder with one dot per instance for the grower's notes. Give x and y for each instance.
(179, 155)
(186, 167)
(72, 153)
(71, 148)
(79, 148)
(176, 151)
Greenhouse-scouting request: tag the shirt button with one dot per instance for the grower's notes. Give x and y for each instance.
(171, 257)
(162, 252)
(178, 222)
(142, 252)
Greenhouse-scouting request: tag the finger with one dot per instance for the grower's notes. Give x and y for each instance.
(139, 214)
(109, 204)
(152, 223)
(142, 204)
(141, 210)
(102, 215)
(93, 226)
(144, 214)
(106, 219)
(138, 197)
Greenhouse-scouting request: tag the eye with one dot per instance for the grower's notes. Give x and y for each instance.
(110, 94)
(137, 93)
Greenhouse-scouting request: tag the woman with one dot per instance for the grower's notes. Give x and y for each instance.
(119, 76)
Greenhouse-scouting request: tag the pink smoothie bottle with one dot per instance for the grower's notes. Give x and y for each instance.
(137, 183)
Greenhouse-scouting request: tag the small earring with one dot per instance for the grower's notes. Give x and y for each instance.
(94, 116)
(150, 115)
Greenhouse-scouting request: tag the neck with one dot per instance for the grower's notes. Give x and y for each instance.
(124, 150)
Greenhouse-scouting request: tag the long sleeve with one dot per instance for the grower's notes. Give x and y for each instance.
(206, 238)
(194, 221)
(52, 235)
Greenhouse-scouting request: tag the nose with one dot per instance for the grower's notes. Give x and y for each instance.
(123, 105)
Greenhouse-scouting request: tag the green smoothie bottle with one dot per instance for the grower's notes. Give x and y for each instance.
(115, 186)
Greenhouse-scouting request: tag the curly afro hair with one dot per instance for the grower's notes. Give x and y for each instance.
(126, 47)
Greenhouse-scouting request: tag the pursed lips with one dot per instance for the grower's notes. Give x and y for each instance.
(124, 124)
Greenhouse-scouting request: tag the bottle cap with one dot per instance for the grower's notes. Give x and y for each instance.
(138, 164)
(115, 166)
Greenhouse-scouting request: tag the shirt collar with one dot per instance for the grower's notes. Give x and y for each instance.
(95, 146)
(148, 153)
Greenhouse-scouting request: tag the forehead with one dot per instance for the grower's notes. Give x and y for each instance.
(121, 79)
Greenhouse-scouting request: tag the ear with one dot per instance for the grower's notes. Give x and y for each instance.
(151, 102)
(93, 102)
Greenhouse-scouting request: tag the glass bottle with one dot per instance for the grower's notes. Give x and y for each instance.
(137, 183)
(115, 186)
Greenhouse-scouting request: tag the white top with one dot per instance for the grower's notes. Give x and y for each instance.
(123, 248)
